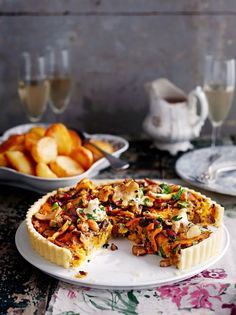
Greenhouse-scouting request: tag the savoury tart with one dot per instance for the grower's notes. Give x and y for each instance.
(182, 226)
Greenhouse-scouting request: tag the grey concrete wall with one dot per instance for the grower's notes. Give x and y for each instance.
(116, 46)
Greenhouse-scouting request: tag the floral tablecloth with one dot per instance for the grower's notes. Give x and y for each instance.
(213, 291)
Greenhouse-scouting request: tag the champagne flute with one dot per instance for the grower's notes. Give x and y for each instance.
(33, 86)
(59, 79)
(219, 83)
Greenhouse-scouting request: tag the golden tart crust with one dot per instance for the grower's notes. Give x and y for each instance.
(58, 255)
(187, 258)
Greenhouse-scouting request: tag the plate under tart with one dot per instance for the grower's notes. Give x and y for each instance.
(114, 269)
(193, 163)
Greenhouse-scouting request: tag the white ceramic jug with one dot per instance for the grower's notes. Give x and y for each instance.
(173, 119)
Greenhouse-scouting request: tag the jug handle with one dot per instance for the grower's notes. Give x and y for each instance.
(200, 95)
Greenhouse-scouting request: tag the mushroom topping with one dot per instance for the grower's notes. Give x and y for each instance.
(49, 216)
(138, 250)
(105, 192)
(125, 194)
(60, 231)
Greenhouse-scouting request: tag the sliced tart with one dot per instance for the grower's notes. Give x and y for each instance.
(182, 226)
(66, 225)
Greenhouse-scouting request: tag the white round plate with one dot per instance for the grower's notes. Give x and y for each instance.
(42, 185)
(192, 164)
(114, 269)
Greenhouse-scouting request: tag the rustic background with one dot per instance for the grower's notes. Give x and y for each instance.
(116, 46)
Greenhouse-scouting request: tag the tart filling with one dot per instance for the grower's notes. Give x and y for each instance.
(180, 225)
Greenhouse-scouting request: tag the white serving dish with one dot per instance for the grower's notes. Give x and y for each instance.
(12, 177)
(118, 270)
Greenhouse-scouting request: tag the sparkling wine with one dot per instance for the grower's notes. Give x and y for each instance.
(60, 88)
(34, 96)
(220, 99)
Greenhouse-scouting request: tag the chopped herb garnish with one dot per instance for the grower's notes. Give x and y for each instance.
(80, 210)
(65, 209)
(141, 191)
(78, 220)
(55, 206)
(166, 189)
(54, 224)
(80, 202)
(146, 201)
(102, 208)
(176, 249)
(183, 204)
(161, 252)
(157, 225)
(90, 216)
(131, 201)
(176, 218)
(178, 194)
(159, 219)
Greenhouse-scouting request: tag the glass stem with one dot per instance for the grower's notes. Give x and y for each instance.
(219, 135)
(213, 136)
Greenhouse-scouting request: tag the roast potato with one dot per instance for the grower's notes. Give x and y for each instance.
(62, 136)
(83, 156)
(76, 141)
(45, 150)
(13, 143)
(43, 170)
(65, 166)
(20, 162)
(40, 131)
(30, 140)
(101, 144)
(3, 160)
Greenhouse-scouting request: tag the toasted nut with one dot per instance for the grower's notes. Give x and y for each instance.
(20, 162)
(138, 250)
(93, 225)
(81, 274)
(43, 170)
(113, 247)
(165, 262)
(83, 227)
(45, 150)
(64, 166)
(83, 156)
(62, 136)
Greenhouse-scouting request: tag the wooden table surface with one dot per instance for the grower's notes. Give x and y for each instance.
(25, 289)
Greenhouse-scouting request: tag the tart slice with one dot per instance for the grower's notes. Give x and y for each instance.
(65, 226)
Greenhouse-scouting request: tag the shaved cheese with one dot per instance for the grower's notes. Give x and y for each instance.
(94, 210)
(183, 219)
